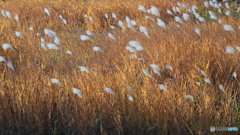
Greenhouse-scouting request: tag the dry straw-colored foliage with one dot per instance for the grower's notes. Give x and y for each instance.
(31, 104)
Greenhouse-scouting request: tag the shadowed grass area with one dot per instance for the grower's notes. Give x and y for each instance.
(31, 104)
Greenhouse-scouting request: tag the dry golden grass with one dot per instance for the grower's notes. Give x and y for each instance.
(31, 104)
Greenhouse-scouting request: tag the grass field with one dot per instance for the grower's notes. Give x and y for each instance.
(176, 79)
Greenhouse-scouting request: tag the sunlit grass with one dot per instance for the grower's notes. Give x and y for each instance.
(182, 82)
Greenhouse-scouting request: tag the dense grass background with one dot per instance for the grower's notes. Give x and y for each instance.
(31, 104)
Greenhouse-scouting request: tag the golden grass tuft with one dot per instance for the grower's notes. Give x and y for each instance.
(31, 104)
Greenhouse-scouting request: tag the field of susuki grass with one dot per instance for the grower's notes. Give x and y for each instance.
(119, 67)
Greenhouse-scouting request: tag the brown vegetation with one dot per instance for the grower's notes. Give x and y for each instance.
(31, 104)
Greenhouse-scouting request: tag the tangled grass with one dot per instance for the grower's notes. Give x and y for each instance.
(31, 104)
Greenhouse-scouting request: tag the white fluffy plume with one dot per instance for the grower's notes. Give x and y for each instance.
(186, 17)
(97, 49)
(9, 64)
(54, 80)
(78, 92)
(142, 8)
(144, 30)
(162, 87)
(52, 46)
(154, 11)
(6, 46)
(111, 36)
(84, 37)
(169, 12)
(178, 19)
(221, 87)
(212, 15)
(84, 69)
(47, 11)
(155, 69)
(19, 34)
(234, 74)
(90, 33)
(109, 90)
(50, 33)
(169, 67)
(137, 45)
(2, 59)
(43, 43)
(121, 24)
(147, 73)
(161, 23)
(189, 97)
(228, 28)
(230, 49)
(197, 31)
(8, 14)
(129, 48)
